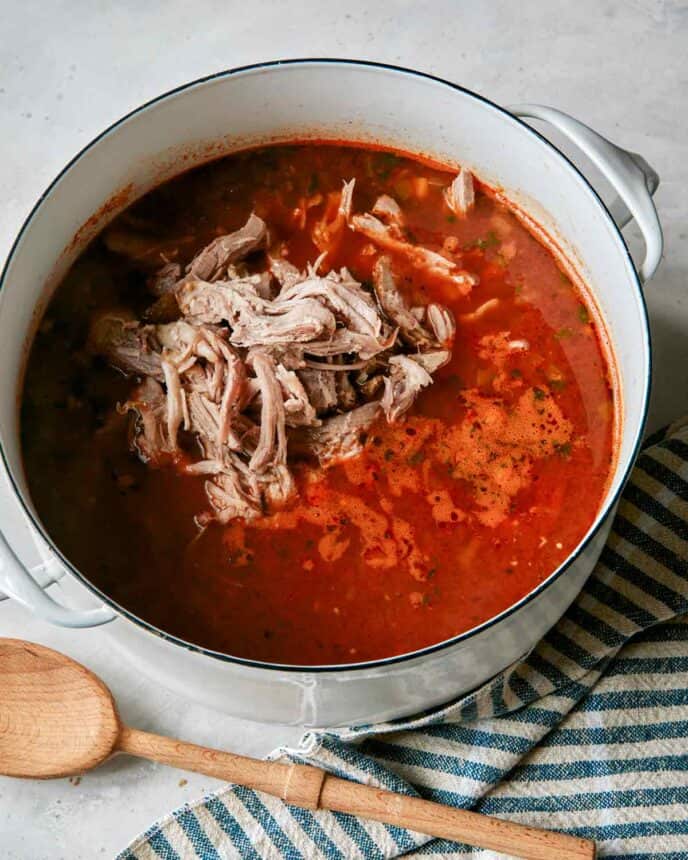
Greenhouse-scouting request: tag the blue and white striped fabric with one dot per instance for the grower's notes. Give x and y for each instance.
(589, 734)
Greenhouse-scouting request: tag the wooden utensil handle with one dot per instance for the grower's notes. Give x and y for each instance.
(459, 825)
(297, 784)
(312, 788)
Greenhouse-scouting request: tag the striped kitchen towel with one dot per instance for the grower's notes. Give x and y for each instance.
(588, 734)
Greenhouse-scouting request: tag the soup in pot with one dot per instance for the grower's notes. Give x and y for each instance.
(318, 404)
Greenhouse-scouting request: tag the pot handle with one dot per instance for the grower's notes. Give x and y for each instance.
(631, 176)
(16, 582)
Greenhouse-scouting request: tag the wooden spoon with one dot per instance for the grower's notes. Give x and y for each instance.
(58, 719)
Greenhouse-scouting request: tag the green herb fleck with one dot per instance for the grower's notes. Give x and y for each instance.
(389, 159)
(451, 218)
(539, 394)
(314, 184)
(583, 314)
(563, 333)
(389, 454)
(518, 289)
(417, 458)
(557, 384)
(490, 241)
(563, 449)
(516, 374)
(386, 162)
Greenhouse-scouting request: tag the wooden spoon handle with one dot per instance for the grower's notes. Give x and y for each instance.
(459, 825)
(282, 780)
(312, 788)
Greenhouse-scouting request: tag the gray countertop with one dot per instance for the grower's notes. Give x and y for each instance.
(70, 68)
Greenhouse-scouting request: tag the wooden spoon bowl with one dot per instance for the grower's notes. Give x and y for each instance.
(58, 719)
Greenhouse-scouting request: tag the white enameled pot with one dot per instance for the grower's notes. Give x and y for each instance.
(335, 100)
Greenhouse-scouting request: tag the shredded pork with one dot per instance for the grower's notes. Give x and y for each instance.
(257, 368)
(460, 196)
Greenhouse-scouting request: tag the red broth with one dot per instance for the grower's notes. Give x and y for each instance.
(444, 520)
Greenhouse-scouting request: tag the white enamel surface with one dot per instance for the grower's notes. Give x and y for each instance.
(400, 110)
(629, 174)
